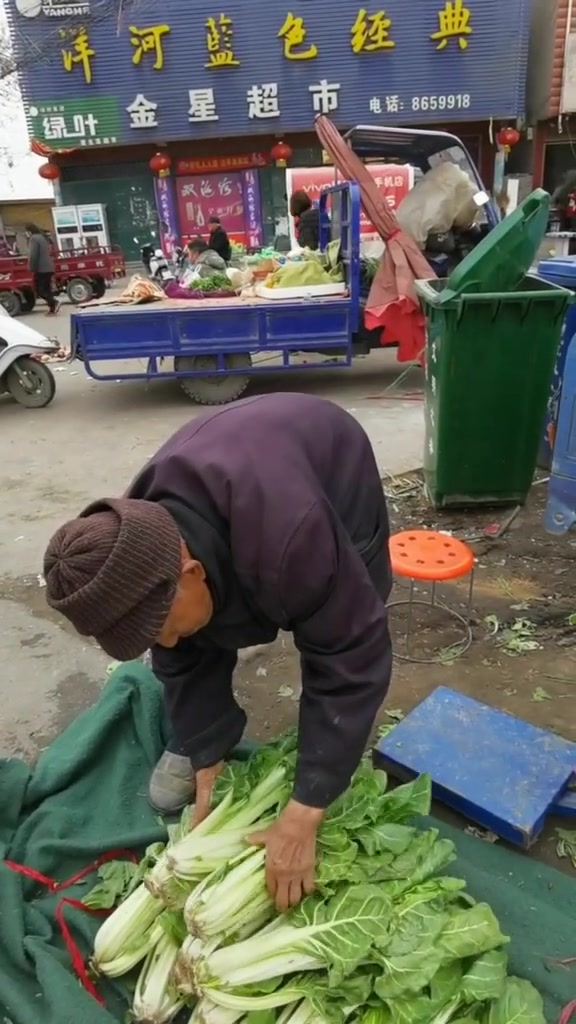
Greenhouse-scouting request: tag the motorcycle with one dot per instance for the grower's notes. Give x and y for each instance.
(160, 269)
(147, 252)
(30, 382)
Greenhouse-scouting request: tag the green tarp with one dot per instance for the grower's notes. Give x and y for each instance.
(87, 795)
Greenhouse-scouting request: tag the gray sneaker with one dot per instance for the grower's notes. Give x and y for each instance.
(172, 784)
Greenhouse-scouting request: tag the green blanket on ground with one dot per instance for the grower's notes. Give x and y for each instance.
(87, 795)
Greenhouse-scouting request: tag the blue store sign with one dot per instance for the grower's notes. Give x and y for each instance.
(180, 70)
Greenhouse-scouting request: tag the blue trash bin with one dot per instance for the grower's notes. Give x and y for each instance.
(560, 270)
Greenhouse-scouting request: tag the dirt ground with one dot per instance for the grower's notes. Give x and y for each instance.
(525, 575)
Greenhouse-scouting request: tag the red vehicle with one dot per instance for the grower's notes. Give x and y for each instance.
(82, 274)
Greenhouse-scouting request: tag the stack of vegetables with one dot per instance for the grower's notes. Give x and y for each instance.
(310, 269)
(384, 940)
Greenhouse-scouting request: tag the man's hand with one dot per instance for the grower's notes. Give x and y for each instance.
(290, 853)
(205, 779)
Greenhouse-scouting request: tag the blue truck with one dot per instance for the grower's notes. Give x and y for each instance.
(213, 347)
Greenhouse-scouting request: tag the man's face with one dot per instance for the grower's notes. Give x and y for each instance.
(192, 607)
(193, 256)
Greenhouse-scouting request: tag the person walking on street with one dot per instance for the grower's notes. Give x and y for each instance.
(41, 264)
(219, 240)
(221, 541)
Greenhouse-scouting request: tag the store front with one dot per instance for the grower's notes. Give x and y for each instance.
(215, 90)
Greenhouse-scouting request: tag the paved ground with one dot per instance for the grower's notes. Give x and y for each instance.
(88, 443)
(95, 436)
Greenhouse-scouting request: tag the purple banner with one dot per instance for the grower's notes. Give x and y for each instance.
(167, 209)
(253, 210)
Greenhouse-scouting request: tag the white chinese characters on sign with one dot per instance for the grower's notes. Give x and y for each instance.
(324, 96)
(202, 105)
(83, 126)
(263, 101)
(143, 113)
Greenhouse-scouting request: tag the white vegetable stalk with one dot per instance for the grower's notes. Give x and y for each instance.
(126, 931)
(302, 1014)
(155, 1000)
(192, 951)
(206, 1012)
(234, 899)
(219, 838)
(260, 958)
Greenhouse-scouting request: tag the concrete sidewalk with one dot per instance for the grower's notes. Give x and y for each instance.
(90, 442)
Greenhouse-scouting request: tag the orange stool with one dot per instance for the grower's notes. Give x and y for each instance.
(430, 557)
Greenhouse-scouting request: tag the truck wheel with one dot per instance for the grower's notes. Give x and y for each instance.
(98, 287)
(12, 303)
(220, 388)
(30, 383)
(28, 300)
(79, 290)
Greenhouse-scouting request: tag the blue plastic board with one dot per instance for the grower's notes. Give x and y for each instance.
(565, 806)
(496, 770)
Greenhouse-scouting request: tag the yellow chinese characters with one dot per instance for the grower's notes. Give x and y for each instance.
(293, 33)
(149, 40)
(371, 32)
(219, 43)
(80, 53)
(454, 23)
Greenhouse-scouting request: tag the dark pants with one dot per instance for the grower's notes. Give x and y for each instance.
(43, 289)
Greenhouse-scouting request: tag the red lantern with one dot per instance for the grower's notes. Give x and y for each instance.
(49, 171)
(160, 164)
(281, 154)
(508, 137)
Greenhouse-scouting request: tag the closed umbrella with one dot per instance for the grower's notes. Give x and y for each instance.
(392, 304)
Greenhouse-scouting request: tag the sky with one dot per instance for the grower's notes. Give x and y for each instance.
(21, 181)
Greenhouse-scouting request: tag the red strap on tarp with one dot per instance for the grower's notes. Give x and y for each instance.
(52, 885)
(567, 1013)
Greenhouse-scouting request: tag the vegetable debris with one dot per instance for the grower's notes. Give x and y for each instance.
(386, 938)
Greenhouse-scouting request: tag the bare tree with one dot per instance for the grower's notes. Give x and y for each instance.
(10, 101)
(25, 51)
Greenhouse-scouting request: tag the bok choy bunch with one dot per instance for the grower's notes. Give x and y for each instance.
(386, 939)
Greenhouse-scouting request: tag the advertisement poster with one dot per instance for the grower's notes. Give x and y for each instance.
(393, 180)
(253, 210)
(202, 196)
(167, 216)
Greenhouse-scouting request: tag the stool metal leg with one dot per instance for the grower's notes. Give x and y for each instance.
(409, 621)
(433, 600)
(470, 596)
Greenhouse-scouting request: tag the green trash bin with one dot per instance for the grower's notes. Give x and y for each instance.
(492, 335)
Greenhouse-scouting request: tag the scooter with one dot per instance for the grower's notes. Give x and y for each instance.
(160, 268)
(30, 382)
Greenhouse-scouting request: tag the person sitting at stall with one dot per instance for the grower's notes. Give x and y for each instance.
(219, 240)
(204, 261)
(306, 220)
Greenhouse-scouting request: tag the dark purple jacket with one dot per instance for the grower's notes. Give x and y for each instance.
(280, 498)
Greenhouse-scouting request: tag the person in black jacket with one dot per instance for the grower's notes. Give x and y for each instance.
(219, 543)
(219, 240)
(307, 220)
(41, 264)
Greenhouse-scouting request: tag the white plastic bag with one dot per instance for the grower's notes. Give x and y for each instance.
(441, 200)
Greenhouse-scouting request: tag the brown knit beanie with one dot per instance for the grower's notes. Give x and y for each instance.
(113, 573)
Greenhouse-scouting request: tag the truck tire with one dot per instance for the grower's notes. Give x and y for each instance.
(28, 300)
(98, 287)
(220, 388)
(39, 386)
(79, 289)
(12, 303)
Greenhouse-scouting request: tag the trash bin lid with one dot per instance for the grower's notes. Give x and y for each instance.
(505, 255)
(559, 270)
